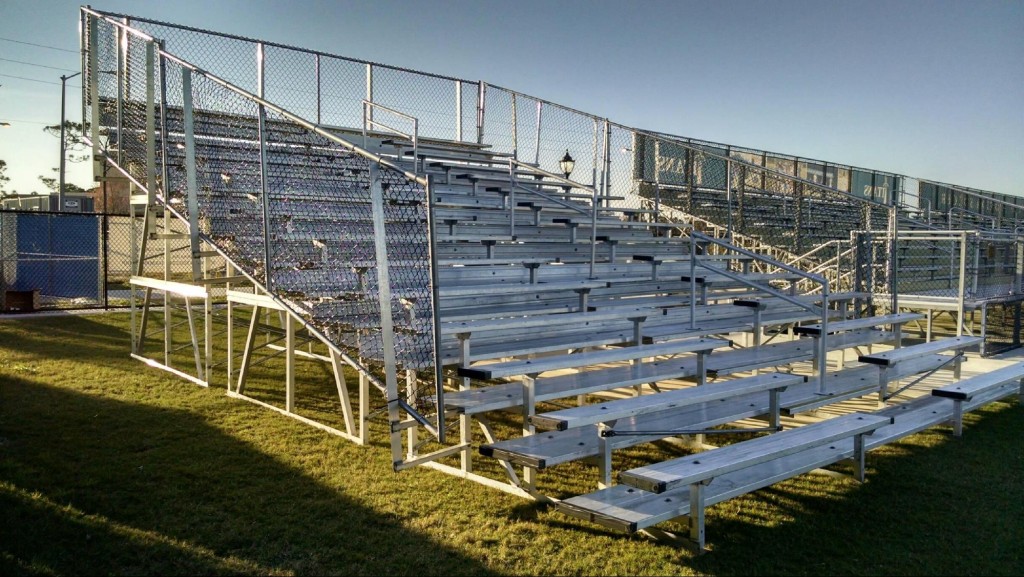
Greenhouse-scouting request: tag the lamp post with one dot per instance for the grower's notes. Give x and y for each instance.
(60, 185)
(566, 164)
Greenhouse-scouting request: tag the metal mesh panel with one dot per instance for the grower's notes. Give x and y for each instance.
(430, 99)
(470, 105)
(343, 90)
(1002, 328)
(229, 58)
(291, 81)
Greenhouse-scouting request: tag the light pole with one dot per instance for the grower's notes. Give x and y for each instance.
(566, 164)
(60, 184)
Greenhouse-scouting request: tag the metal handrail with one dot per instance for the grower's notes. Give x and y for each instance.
(368, 121)
(821, 280)
(969, 213)
(815, 250)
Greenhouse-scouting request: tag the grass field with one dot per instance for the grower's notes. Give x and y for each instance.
(110, 467)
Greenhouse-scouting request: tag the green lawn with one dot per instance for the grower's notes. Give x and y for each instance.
(110, 467)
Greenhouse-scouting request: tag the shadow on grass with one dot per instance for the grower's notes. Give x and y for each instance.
(92, 485)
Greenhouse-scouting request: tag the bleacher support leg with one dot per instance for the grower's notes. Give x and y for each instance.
(958, 418)
(858, 457)
(529, 409)
(604, 457)
(696, 516)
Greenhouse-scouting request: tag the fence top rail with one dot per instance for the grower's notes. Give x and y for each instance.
(679, 141)
(779, 155)
(130, 18)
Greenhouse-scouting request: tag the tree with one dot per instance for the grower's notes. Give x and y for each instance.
(75, 148)
(52, 184)
(4, 179)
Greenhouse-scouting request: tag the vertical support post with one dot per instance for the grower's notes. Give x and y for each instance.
(190, 170)
(604, 457)
(774, 418)
(458, 110)
(289, 362)
(387, 329)
(465, 421)
(265, 197)
(150, 123)
(319, 88)
(657, 177)
(976, 262)
(83, 64)
(435, 308)
(696, 516)
(164, 174)
(515, 128)
(480, 111)
(728, 197)
(529, 383)
(94, 93)
(984, 329)
(411, 435)
(260, 71)
(122, 78)
(822, 343)
(962, 290)
(693, 280)
(369, 89)
(536, 152)
(607, 179)
(207, 373)
(858, 456)
(894, 235)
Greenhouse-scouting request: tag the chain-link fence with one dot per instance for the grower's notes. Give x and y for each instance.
(53, 260)
(333, 233)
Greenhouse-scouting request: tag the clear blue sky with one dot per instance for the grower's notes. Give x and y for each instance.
(928, 88)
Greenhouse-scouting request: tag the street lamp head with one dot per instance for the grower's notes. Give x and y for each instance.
(567, 164)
